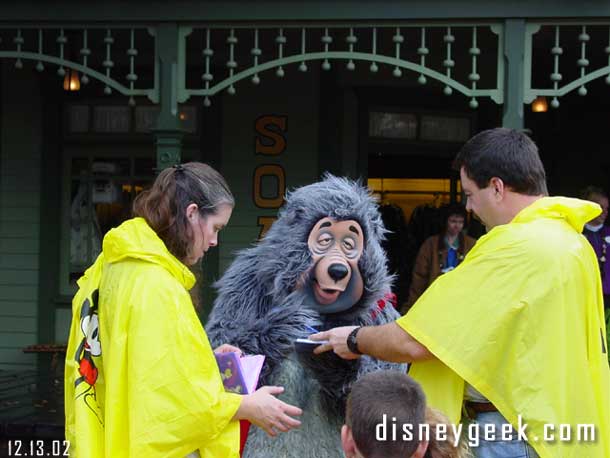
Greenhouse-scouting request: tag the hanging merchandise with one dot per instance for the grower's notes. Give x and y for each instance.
(106, 190)
(400, 249)
(85, 234)
(426, 220)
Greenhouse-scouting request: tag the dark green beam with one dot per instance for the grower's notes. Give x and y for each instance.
(168, 133)
(192, 11)
(514, 48)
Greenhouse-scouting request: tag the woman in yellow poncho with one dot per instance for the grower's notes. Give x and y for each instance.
(141, 379)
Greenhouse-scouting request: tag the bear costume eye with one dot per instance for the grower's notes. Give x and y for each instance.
(349, 244)
(325, 240)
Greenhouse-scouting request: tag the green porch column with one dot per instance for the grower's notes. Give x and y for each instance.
(168, 144)
(168, 132)
(514, 48)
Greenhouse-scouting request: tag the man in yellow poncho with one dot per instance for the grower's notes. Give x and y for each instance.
(516, 332)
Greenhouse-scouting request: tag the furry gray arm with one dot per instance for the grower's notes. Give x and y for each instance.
(272, 335)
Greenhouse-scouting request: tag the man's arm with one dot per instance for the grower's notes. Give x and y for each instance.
(388, 342)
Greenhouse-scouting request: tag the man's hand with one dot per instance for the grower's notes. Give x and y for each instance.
(388, 342)
(267, 412)
(226, 348)
(337, 342)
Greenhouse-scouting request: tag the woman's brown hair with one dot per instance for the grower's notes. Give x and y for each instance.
(164, 205)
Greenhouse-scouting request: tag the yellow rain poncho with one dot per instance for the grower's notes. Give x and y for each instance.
(141, 379)
(522, 320)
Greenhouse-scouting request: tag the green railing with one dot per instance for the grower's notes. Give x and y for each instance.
(545, 54)
(96, 52)
(426, 50)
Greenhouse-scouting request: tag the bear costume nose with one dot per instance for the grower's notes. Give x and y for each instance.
(337, 271)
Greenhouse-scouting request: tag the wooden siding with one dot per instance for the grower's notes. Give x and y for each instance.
(20, 146)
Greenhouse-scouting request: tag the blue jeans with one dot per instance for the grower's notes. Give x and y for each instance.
(514, 448)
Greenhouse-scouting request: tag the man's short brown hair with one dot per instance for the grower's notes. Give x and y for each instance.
(507, 154)
(389, 393)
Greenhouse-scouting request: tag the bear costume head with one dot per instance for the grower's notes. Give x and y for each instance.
(327, 236)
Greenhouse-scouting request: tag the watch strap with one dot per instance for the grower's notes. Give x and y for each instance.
(352, 342)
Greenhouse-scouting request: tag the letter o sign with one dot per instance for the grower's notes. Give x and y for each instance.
(269, 170)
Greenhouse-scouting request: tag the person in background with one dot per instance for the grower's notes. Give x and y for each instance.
(440, 253)
(140, 378)
(598, 234)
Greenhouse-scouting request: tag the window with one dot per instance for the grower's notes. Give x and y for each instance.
(99, 192)
(393, 125)
(419, 127)
(104, 119)
(108, 159)
(445, 128)
(78, 119)
(112, 119)
(146, 118)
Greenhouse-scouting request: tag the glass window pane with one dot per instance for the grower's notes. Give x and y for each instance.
(102, 166)
(78, 118)
(80, 166)
(144, 166)
(445, 128)
(85, 235)
(146, 118)
(112, 214)
(106, 191)
(102, 191)
(113, 119)
(140, 185)
(393, 125)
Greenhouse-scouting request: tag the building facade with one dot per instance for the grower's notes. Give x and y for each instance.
(272, 95)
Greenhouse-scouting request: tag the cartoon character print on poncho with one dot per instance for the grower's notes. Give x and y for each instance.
(89, 347)
(320, 265)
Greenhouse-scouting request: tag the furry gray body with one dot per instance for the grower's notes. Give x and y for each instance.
(261, 309)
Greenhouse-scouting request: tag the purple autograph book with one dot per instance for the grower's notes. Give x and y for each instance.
(239, 375)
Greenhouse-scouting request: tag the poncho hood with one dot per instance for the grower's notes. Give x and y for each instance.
(575, 212)
(136, 240)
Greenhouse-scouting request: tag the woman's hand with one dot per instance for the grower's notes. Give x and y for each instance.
(267, 412)
(226, 348)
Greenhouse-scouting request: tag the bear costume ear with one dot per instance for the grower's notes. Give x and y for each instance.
(295, 215)
(378, 228)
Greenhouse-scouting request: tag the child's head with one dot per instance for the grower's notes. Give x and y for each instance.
(401, 400)
(443, 448)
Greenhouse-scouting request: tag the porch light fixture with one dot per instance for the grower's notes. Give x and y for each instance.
(539, 105)
(71, 80)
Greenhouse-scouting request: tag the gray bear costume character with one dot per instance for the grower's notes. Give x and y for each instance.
(319, 265)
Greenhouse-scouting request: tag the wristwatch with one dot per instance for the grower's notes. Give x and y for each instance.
(352, 342)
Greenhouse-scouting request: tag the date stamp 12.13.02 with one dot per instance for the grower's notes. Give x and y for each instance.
(37, 447)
